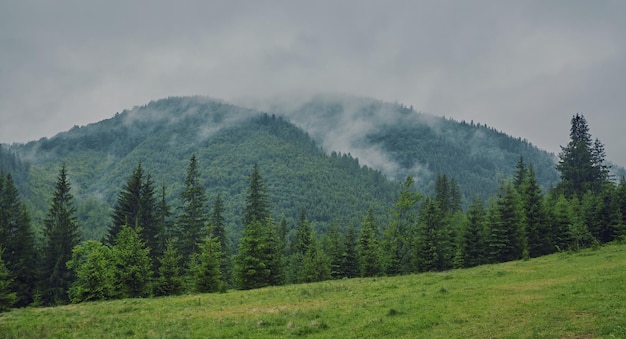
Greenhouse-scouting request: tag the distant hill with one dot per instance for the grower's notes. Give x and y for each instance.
(311, 154)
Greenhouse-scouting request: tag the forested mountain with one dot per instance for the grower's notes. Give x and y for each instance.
(322, 172)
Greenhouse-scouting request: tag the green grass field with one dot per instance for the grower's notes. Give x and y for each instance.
(566, 295)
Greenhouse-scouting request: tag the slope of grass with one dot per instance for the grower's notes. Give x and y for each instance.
(579, 295)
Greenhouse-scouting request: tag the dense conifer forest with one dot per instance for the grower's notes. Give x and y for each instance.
(179, 197)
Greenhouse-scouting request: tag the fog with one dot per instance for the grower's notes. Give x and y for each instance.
(523, 67)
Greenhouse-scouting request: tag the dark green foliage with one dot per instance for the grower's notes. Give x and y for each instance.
(7, 296)
(471, 250)
(581, 162)
(430, 239)
(369, 250)
(92, 264)
(334, 247)
(257, 201)
(217, 231)
(535, 220)
(192, 220)
(350, 257)
(132, 264)
(61, 234)
(505, 240)
(18, 241)
(398, 237)
(205, 267)
(170, 278)
(252, 267)
(259, 262)
(301, 244)
(316, 264)
(137, 206)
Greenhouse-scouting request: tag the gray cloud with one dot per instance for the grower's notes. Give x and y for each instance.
(523, 67)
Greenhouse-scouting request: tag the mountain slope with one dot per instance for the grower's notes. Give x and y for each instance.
(227, 140)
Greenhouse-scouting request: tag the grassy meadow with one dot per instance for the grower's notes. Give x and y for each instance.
(565, 295)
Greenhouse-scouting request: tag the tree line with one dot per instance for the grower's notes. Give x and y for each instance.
(152, 249)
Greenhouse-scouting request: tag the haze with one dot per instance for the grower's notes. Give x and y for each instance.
(523, 67)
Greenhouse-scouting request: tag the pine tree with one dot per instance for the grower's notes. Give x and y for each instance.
(472, 241)
(137, 205)
(206, 272)
(61, 234)
(429, 239)
(562, 220)
(131, 259)
(316, 264)
(350, 257)
(398, 236)
(300, 245)
(581, 162)
(7, 296)
(506, 237)
(218, 232)
(519, 178)
(334, 248)
(536, 223)
(259, 262)
(18, 240)
(369, 251)
(170, 279)
(92, 264)
(193, 218)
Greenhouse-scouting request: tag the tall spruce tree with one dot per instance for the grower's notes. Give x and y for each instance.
(581, 162)
(132, 263)
(535, 220)
(300, 245)
(218, 232)
(369, 250)
(205, 268)
(192, 221)
(397, 238)
(429, 240)
(259, 262)
(61, 234)
(471, 250)
(350, 257)
(506, 238)
(18, 240)
(137, 206)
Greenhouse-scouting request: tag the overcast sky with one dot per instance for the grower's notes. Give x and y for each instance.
(523, 67)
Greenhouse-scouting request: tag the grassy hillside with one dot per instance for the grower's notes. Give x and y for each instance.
(579, 295)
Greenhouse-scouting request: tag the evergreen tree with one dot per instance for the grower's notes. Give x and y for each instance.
(429, 239)
(369, 251)
(131, 260)
(7, 296)
(137, 205)
(398, 236)
(609, 215)
(521, 172)
(581, 162)
(92, 264)
(562, 220)
(335, 248)
(259, 262)
(164, 222)
(257, 205)
(18, 241)
(61, 234)
(218, 232)
(506, 237)
(316, 264)
(252, 269)
(206, 272)
(536, 223)
(350, 257)
(300, 245)
(170, 279)
(193, 218)
(470, 252)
